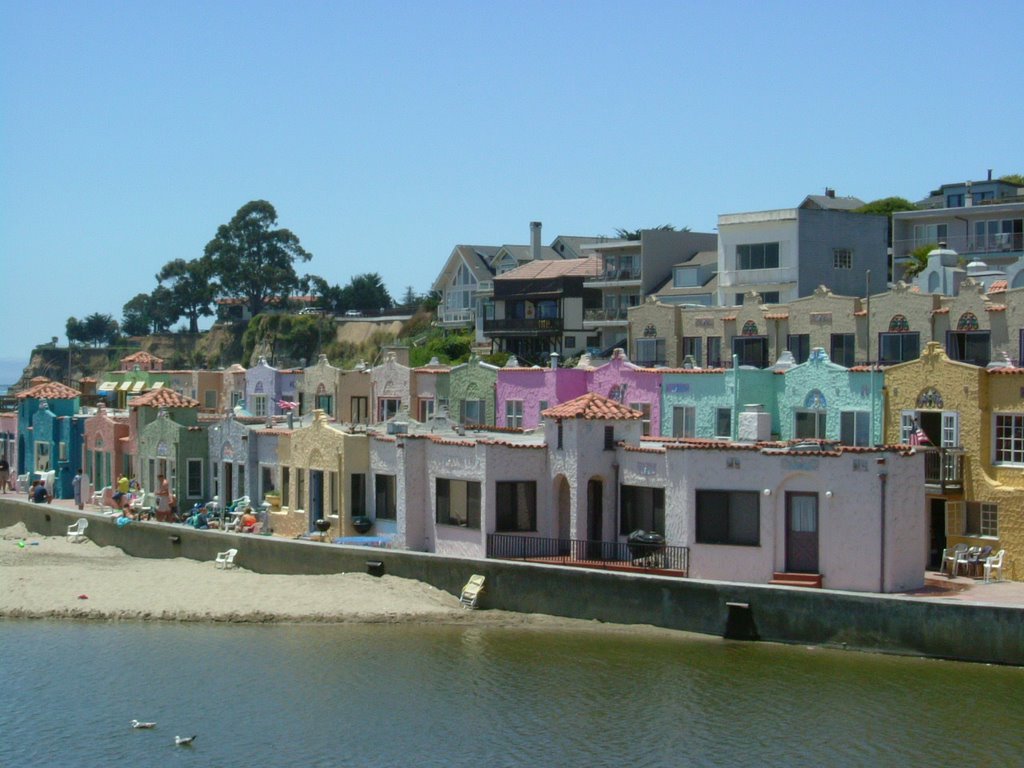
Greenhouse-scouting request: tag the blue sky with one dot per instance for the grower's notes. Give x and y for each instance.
(385, 133)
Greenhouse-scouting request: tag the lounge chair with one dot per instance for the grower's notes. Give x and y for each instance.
(950, 557)
(226, 560)
(76, 532)
(471, 592)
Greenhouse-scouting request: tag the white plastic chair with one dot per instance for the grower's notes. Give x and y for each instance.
(994, 563)
(76, 532)
(964, 559)
(226, 560)
(471, 592)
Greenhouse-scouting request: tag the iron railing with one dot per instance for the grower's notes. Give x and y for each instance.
(605, 555)
(996, 243)
(943, 467)
(538, 325)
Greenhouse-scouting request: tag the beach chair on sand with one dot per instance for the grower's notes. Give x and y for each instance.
(226, 560)
(471, 592)
(76, 532)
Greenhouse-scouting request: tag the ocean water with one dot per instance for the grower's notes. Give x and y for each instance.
(404, 695)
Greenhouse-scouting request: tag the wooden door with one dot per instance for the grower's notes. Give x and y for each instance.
(801, 532)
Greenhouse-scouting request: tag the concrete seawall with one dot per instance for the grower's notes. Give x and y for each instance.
(884, 623)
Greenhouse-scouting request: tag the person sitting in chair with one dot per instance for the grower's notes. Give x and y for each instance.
(248, 522)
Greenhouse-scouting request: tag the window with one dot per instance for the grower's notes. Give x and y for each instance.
(285, 483)
(194, 478)
(692, 348)
(855, 427)
(516, 506)
(969, 346)
(757, 256)
(474, 412)
(685, 277)
(729, 517)
(387, 408)
(569, 342)
(645, 420)
(955, 201)
(359, 409)
(649, 351)
(684, 421)
(751, 350)
(334, 492)
(809, 425)
(215, 474)
(266, 480)
(842, 350)
(236, 398)
(358, 494)
(384, 487)
(842, 258)
(898, 347)
(799, 345)
(457, 502)
(642, 509)
(1009, 434)
(561, 434)
(982, 519)
(426, 410)
(42, 463)
(929, 234)
(723, 422)
(609, 438)
(259, 405)
(514, 413)
(714, 352)
(210, 398)
(769, 297)
(325, 403)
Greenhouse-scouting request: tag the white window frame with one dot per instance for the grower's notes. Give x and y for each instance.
(514, 414)
(645, 420)
(842, 258)
(950, 429)
(820, 423)
(955, 518)
(859, 419)
(259, 405)
(1010, 434)
(907, 426)
(688, 414)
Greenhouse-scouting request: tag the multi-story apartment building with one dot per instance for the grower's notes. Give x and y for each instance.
(630, 270)
(980, 220)
(787, 253)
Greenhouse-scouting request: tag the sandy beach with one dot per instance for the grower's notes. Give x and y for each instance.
(49, 577)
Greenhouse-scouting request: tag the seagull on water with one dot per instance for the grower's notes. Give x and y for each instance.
(137, 724)
(184, 741)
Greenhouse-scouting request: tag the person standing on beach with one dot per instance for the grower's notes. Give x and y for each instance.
(163, 498)
(76, 486)
(5, 473)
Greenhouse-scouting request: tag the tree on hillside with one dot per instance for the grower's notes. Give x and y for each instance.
(326, 295)
(96, 329)
(634, 234)
(147, 313)
(252, 259)
(191, 289)
(365, 292)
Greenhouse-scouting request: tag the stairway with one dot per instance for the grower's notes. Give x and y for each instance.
(797, 579)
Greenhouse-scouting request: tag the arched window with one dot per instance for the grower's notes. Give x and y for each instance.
(750, 328)
(898, 324)
(967, 322)
(815, 400)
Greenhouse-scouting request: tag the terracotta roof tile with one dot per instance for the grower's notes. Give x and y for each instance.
(141, 357)
(164, 398)
(999, 286)
(591, 406)
(996, 308)
(50, 390)
(777, 316)
(941, 311)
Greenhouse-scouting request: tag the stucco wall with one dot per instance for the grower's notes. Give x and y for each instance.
(474, 380)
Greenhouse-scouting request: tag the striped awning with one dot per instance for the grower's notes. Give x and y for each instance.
(157, 385)
(138, 385)
(107, 386)
(124, 386)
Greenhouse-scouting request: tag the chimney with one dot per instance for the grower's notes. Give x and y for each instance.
(554, 360)
(990, 174)
(829, 192)
(534, 240)
(968, 198)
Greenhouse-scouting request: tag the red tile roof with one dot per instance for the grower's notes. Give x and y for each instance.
(50, 390)
(545, 269)
(995, 308)
(164, 398)
(999, 286)
(591, 406)
(777, 316)
(141, 357)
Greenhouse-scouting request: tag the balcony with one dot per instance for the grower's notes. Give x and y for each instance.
(944, 468)
(1005, 244)
(580, 553)
(613, 277)
(617, 315)
(737, 278)
(456, 316)
(538, 326)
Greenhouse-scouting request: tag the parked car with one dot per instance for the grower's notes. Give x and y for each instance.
(354, 313)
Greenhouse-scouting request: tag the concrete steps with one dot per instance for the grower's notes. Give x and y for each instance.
(811, 580)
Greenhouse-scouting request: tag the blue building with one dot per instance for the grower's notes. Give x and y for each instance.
(50, 438)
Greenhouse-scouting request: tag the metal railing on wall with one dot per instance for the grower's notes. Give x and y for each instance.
(583, 553)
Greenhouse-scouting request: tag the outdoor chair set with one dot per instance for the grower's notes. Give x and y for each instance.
(972, 561)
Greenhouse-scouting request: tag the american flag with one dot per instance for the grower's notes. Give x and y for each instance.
(919, 437)
(287, 405)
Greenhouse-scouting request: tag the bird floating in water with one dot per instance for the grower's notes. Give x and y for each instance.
(137, 724)
(184, 741)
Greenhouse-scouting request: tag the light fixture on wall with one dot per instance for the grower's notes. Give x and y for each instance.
(767, 491)
(828, 494)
